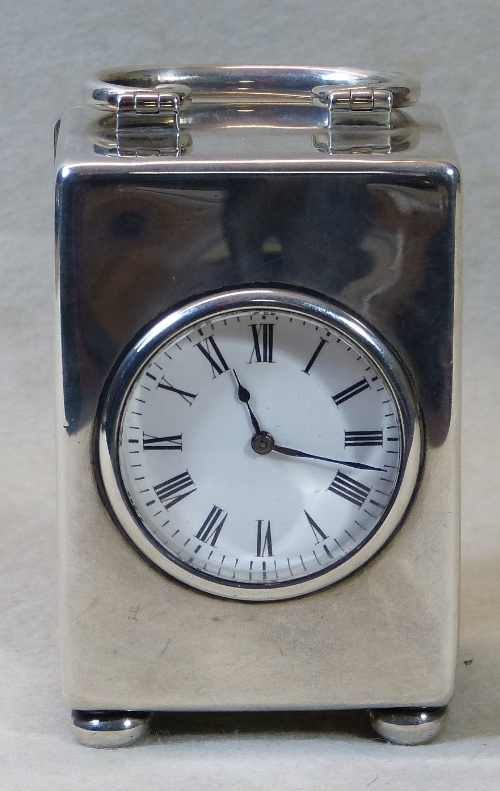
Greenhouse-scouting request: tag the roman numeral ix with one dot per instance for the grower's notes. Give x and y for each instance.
(211, 527)
(349, 489)
(205, 347)
(264, 539)
(351, 391)
(161, 443)
(362, 439)
(174, 490)
(263, 335)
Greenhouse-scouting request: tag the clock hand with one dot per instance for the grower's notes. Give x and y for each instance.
(244, 396)
(300, 454)
(263, 443)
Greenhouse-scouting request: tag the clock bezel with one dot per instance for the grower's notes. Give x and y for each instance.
(176, 323)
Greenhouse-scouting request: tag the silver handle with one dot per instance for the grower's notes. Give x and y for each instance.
(243, 84)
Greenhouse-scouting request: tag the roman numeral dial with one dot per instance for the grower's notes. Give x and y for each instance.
(260, 448)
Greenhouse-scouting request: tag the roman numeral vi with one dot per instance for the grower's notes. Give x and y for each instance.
(264, 539)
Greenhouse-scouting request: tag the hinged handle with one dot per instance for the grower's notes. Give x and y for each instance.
(252, 84)
(148, 103)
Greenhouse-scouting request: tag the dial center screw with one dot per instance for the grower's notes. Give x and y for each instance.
(262, 443)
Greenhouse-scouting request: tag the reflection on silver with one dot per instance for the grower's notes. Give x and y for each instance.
(164, 136)
(110, 728)
(408, 726)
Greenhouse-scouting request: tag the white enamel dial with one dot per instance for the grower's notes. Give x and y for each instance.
(259, 447)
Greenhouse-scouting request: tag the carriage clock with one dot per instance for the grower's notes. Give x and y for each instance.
(258, 420)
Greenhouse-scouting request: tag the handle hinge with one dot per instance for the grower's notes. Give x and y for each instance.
(148, 106)
(355, 105)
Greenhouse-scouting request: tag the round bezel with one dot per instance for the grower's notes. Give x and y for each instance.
(174, 325)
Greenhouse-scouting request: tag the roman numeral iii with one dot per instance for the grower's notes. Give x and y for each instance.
(351, 391)
(211, 527)
(362, 439)
(349, 489)
(162, 443)
(263, 337)
(174, 490)
(207, 346)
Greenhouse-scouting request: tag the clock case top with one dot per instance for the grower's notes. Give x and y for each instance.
(375, 230)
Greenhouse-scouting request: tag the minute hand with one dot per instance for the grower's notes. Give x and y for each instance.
(357, 465)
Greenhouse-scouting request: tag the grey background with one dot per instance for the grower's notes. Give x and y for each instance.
(47, 50)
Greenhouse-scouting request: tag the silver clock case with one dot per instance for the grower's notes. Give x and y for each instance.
(269, 204)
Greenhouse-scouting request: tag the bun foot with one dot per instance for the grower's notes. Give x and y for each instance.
(408, 726)
(110, 728)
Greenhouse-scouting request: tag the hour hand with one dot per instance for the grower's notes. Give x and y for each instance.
(244, 396)
(301, 455)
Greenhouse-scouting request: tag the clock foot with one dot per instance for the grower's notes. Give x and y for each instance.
(110, 728)
(408, 726)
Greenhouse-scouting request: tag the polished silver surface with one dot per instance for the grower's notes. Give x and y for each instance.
(374, 229)
(408, 726)
(256, 137)
(173, 326)
(107, 729)
(271, 83)
(165, 135)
